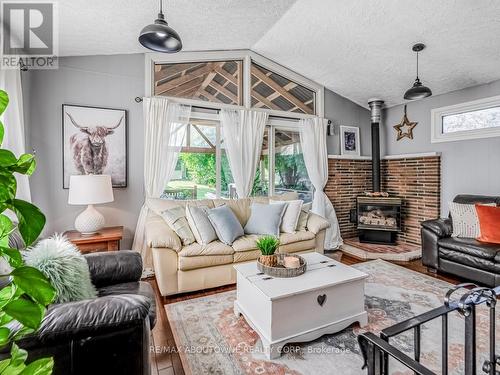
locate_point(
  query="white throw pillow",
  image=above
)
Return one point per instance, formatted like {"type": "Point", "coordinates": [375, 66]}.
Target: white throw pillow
{"type": "Point", "coordinates": [176, 220]}
{"type": "Point", "coordinates": [465, 220]}
{"type": "Point", "coordinates": [303, 217]}
{"type": "Point", "coordinates": [201, 226]}
{"type": "Point", "coordinates": [265, 219]}
{"type": "Point", "coordinates": [291, 215]}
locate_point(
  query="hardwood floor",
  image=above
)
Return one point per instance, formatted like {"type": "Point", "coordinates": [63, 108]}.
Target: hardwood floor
{"type": "Point", "coordinates": [165, 360]}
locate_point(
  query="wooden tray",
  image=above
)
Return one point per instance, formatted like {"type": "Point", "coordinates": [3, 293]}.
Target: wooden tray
{"type": "Point", "coordinates": [280, 270]}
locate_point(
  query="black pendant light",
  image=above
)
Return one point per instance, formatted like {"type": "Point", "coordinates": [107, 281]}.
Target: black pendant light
{"type": "Point", "coordinates": [418, 91]}
{"type": "Point", "coordinates": [159, 36]}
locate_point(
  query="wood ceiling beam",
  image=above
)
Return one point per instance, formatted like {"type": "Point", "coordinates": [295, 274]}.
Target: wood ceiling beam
{"type": "Point", "coordinates": [227, 75]}
{"type": "Point", "coordinates": [224, 91]}
{"type": "Point", "coordinates": [209, 78]}
{"type": "Point", "coordinates": [288, 96]}
{"type": "Point", "coordinates": [170, 85]}
{"type": "Point", "coordinates": [205, 138]}
{"type": "Point", "coordinates": [265, 101]}
{"type": "Point", "coordinates": [169, 70]}
{"type": "Point", "coordinates": [185, 87]}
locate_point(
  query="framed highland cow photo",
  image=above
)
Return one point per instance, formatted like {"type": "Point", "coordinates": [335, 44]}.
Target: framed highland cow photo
{"type": "Point", "coordinates": [94, 142]}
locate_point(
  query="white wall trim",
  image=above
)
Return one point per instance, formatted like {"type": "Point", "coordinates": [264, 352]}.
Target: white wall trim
{"type": "Point", "coordinates": [246, 56]}
{"type": "Point", "coordinates": [388, 157]}
{"type": "Point", "coordinates": [437, 114]}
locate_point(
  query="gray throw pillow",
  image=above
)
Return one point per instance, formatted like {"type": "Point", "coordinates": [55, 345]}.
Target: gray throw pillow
{"type": "Point", "coordinates": [65, 267]}
{"type": "Point", "coordinates": [265, 219]}
{"type": "Point", "coordinates": [176, 220]}
{"type": "Point", "coordinates": [201, 226]}
{"type": "Point", "coordinates": [226, 224]}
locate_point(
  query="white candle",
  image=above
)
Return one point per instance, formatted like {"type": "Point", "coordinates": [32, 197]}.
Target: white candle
{"type": "Point", "coordinates": [291, 262]}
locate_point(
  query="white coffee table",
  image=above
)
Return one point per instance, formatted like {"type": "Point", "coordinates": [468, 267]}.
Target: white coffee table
{"type": "Point", "coordinates": [326, 299]}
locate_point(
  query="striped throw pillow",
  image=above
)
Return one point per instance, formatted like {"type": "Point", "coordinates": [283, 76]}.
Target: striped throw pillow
{"type": "Point", "coordinates": [465, 220]}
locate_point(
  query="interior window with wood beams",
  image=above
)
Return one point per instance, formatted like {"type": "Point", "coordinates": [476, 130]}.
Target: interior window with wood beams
{"type": "Point", "coordinates": [274, 91]}
{"type": "Point", "coordinates": [212, 81]}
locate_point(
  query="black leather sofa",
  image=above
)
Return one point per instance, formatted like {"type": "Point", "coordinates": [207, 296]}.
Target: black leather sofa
{"type": "Point", "coordinates": [106, 335]}
{"type": "Point", "coordinates": [470, 259]}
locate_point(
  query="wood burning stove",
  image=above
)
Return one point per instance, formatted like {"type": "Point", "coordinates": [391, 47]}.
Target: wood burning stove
{"type": "Point", "coordinates": [378, 219]}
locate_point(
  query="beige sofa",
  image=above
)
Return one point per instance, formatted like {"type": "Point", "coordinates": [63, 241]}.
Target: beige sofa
{"type": "Point", "coordinates": [180, 269]}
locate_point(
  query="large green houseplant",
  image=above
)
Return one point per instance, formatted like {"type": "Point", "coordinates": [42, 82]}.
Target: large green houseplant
{"type": "Point", "coordinates": [26, 292]}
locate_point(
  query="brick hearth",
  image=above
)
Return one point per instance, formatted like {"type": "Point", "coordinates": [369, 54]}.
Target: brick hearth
{"type": "Point", "coordinates": [416, 180]}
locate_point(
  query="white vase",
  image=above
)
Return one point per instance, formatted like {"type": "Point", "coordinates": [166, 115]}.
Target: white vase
{"type": "Point", "coordinates": [89, 221]}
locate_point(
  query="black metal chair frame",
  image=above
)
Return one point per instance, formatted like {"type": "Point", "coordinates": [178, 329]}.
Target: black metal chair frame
{"type": "Point", "coordinates": [377, 350]}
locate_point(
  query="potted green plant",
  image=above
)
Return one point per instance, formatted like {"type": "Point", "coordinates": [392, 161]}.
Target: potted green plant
{"type": "Point", "coordinates": [27, 293]}
{"type": "Point", "coordinates": [268, 246]}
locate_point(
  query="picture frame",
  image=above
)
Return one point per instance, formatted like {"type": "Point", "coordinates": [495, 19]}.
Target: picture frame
{"type": "Point", "coordinates": [349, 141]}
{"type": "Point", "coordinates": [95, 141]}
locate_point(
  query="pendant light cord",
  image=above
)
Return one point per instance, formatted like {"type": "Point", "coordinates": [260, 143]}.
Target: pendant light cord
{"type": "Point", "coordinates": [417, 64]}
{"type": "Point", "coordinates": [161, 8]}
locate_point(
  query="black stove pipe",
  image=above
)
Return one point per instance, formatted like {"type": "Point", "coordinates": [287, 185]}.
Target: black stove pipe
{"type": "Point", "coordinates": [376, 112]}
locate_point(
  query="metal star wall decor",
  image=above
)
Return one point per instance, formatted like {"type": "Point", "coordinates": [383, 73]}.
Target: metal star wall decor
{"type": "Point", "coordinates": [405, 127]}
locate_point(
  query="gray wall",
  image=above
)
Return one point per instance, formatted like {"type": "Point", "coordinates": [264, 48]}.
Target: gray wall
{"type": "Point", "coordinates": [468, 167]}
{"type": "Point", "coordinates": [341, 111]}
{"type": "Point", "coordinates": [104, 81]}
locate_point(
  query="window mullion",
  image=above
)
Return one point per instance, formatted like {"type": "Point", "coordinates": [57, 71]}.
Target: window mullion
{"type": "Point", "coordinates": [218, 164]}
{"type": "Point", "coordinates": [271, 130]}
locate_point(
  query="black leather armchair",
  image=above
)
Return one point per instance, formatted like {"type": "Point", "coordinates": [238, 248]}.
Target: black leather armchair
{"type": "Point", "coordinates": [106, 335]}
{"type": "Point", "coordinates": [464, 257]}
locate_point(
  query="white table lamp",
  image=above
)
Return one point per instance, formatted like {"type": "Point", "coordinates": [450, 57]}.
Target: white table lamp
{"type": "Point", "coordinates": [89, 190]}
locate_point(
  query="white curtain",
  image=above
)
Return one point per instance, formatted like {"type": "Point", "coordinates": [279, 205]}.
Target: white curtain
{"type": "Point", "coordinates": [165, 124]}
{"type": "Point", "coordinates": [13, 121]}
{"type": "Point", "coordinates": [313, 142]}
{"type": "Point", "coordinates": [243, 132]}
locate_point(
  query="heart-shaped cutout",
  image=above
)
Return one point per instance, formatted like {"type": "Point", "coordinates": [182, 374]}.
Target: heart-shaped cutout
{"type": "Point", "coordinates": [321, 299]}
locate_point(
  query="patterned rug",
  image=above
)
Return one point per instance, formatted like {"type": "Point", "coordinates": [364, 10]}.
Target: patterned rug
{"type": "Point", "coordinates": [212, 340]}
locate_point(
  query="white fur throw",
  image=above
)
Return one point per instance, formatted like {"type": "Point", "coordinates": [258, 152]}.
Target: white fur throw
{"type": "Point", "coordinates": [66, 268]}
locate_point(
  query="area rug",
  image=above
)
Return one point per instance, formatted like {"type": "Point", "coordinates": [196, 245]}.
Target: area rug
{"type": "Point", "coordinates": [212, 340]}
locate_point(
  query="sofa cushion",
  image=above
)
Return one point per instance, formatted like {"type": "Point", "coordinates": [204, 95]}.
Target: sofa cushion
{"type": "Point", "coordinates": [290, 216]}
{"type": "Point", "coordinates": [175, 217]}
{"type": "Point", "coordinates": [226, 224]}
{"type": "Point", "coordinates": [201, 226]}
{"type": "Point", "coordinates": [287, 238]}
{"type": "Point", "coordinates": [469, 260]}
{"type": "Point", "coordinates": [240, 207]}
{"type": "Point", "coordinates": [158, 205]}
{"type": "Point", "coordinates": [213, 248]}
{"type": "Point", "coordinates": [303, 217]}
{"type": "Point", "coordinates": [191, 263]}
{"type": "Point", "coordinates": [142, 288]}
{"type": "Point", "coordinates": [265, 219]}
{"type": "Point", "coordinates": [246, 256]}
{"type": "Point", "coordinates": [246, 243]}
{"type": "Point", "coordinates": [471, 247]}
{"type": "Point", "coordinates": [293, 247]}
{"type": "Point", "coordinates": [465, 220]}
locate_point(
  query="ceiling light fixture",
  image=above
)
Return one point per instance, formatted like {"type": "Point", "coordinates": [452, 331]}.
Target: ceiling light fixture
{"type": "Point", "coordinates": [417, 91]}
{"type": "Point", "coordinates": [159, 36]}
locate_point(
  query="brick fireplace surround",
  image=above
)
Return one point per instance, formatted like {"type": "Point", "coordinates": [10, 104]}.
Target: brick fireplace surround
{"type": "Point", "coordinates": [416, 179]}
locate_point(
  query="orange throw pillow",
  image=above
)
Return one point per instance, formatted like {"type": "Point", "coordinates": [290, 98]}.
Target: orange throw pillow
{"type": "Point", "coordinates": [489, 221]}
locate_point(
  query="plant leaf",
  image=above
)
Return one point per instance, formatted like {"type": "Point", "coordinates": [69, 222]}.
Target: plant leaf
{"type": "Point", "coordinates": [42, 366]}
{"type": "Point", "coordinates": [6, 294]}
{"type": "Point", "coordinates": [2, 132]}
{"type": "Point", "coordinates": [6, 228]}
{"type": "Point", "coordinates": [26, 164]}
{"type": "Point", "coordinates": [31, 220]}
{"type": "Point", "coordinates": [13, 256]}
{"type": "Point", "coordinates": [7, 158]}
{"type": "Point", "coordinates": [8, 186]}
{"type": "Point", "coordinates": [4, 335]}
{"type": "Point", "coordinates": [35, 284]}
{"type": "Point", "coordinates": [18, 357]}
{"type": "Point", "coordinates": [26, 312]}
{"type": "Point", "coordinates": [3, 365]}
{"type": "Point", "coordinates": [4, 101]}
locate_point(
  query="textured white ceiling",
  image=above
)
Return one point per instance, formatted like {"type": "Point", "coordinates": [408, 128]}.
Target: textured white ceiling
{"type": "Point", "coordinates": [93, 27]}
{"type": "Point", "coordinates": [362, 48]}
{"type": "Point", "coordinates": [357, 48]}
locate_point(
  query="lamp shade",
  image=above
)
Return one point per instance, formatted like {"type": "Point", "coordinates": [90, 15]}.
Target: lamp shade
{"type": "Point", "coordinates": [90, 189]}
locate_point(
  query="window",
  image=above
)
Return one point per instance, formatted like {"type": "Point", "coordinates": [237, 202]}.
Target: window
{"type": "Point", "coordinates": [197, 171]}
{"type": "Point", "coordinates": [212, 81]}
{"type": "Point", "coordinates": [477, 119]}
{"type": "Point", "coordinates": [273, 91]}
{"type": "Point", "coordinates": [290, 172]}
{"type": "Point", "coordinates": [238, 79]}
